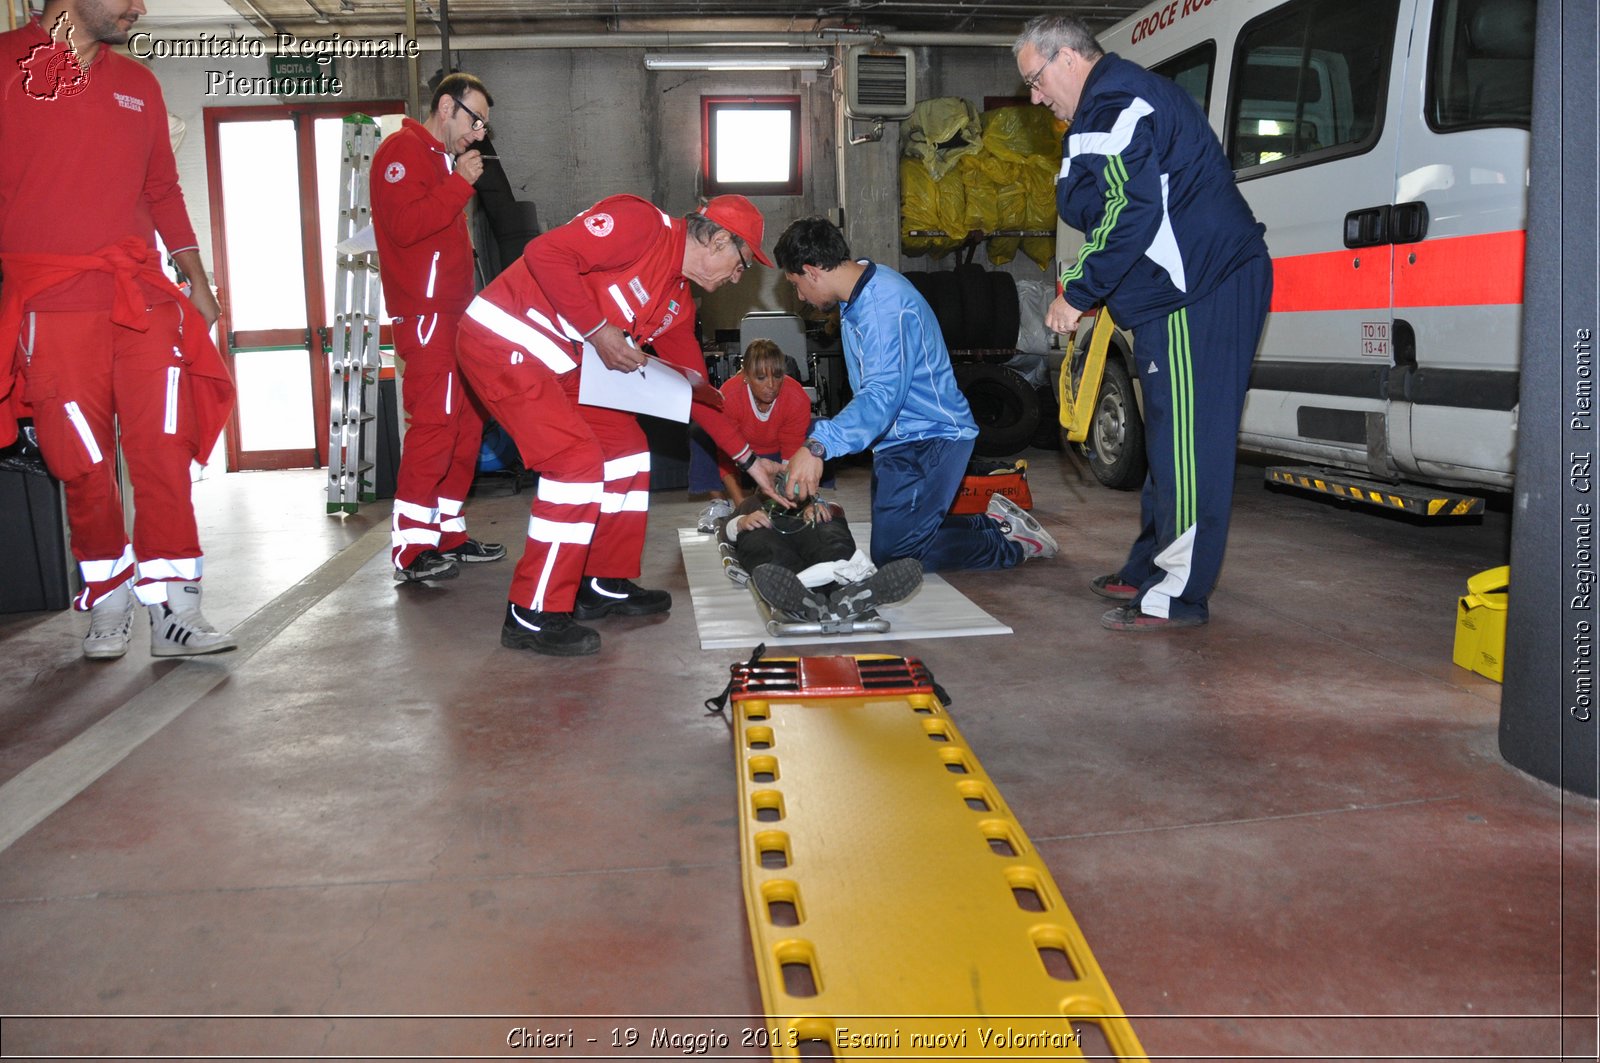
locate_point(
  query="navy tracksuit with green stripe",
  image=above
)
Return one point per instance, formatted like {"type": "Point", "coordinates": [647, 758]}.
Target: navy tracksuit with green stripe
{"type": "Point", "coordinates": [1173, 251]}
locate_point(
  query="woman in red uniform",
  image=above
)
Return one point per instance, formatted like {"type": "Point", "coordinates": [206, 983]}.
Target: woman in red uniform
{"type": "Point", "coordinates": [768, 406]}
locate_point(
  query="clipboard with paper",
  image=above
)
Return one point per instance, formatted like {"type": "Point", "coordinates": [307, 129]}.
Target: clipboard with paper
{"type": "Point", "coordinates": [659, 388]}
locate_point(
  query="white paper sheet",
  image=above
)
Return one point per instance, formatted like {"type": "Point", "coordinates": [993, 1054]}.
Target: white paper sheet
{"type": "Point", "coordinates": [658, 389]}
{"type": "Point", "coordinates": [726, 615]}
{"type": "Point", "coordinates": [360, 242]}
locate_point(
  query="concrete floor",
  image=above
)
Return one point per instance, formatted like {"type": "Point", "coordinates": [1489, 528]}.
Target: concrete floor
{"type": "Point", "coordinates": [1288, 833]}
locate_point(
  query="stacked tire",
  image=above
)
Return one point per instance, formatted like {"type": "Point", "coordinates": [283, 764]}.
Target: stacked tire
{"type": "Point", "coordinates": [978, 312]}
{"type": "Point", "coordinates": [1004, 404]}
{"type": "Point", "coordinates": [976, 309]}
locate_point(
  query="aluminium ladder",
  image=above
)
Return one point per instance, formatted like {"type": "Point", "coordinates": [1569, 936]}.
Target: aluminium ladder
{"type": "Point", "coordinates": [354, 359]}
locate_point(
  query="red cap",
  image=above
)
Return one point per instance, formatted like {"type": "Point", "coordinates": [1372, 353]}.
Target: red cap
{"type": "Point", "coordinates": [741, 218]}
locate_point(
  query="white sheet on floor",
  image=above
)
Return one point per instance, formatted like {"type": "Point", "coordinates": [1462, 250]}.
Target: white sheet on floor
{"type": "Point", "coordinates": [727, 616]}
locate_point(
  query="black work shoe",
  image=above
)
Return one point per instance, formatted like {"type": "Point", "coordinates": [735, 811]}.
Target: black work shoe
{"type": "Point", "coordinates": [554, 634]}
{"type": "Point", "coordinates": [602, 596]}
{"type": "Point", "coordinates": [430, 564]}
{"type": "Point", "coordinates": [1114, 588]}
{"type": "Point", "coordinates": [472, 552]}
{"type": "Point", "coordinates": [1131, 618]}
{"type": "Point", "coordinates": [782, 589]}
{"type": "Point", "coordinates": [894, 582]}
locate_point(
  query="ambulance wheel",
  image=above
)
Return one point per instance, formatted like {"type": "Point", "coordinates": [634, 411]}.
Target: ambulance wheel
{"type": "Point", "coordinates": [1004, 405]}
{"type": "Point", "coordinates": [1115, 447]}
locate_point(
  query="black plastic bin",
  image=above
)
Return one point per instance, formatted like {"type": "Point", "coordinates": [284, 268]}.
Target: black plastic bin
{"type": "Point", "coordinates": [33, 540]}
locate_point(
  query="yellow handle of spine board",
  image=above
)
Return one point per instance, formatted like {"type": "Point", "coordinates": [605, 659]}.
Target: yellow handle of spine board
{"type": "Point", "coordinates": [1077, 404]}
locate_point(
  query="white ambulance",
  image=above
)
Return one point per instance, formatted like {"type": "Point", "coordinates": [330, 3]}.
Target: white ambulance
{"type": "Point", "coordinates": [1384, 144]}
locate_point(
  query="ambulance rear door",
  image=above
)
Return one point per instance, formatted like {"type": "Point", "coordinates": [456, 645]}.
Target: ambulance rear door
{"type": "Point", "coordinates": [1313, 132]}
{"type": "Point", "coordinates": [1462, 190]}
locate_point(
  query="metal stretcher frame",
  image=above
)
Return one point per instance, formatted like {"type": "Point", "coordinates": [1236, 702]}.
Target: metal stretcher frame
{"type": "Point", "coordinates": [725, 619]}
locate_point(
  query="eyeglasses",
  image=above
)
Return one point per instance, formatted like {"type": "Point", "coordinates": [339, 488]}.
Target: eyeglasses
{"type": "Point", "coordinates": [1032, 80]}
{"type": "Point", "coordinates": [478, 121]}
{"type": "Point", "coordinates": [744, 265]}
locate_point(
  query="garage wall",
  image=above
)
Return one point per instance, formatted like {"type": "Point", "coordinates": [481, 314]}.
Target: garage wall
{"type": "Point", "coordinates": [575, 125]}
{"type": "Point", "coordinates": [571, 126]}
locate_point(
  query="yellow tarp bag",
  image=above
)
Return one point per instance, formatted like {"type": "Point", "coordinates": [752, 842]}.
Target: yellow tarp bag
{"type": "Point", "coordinates": [940, 132]}
{"type": "Point", "coordinates": [1039, 179]}
{"type": "Point", "coordinates": [1021, 134]}
{"type": "Point", "coordinates": [982, 208]}
{"type": "Point", "coordinates": [1039, 182]}
{"type": "Point", "coordinates": [919, 210]}
{"type": "Point", "coordinates": [1041, 249]}
{"type": "Point", "coordinates": [1011, 203]}
{"type": "Point", "coordinates": [952, 198]}
{"type": "Point", "coordinates": [1029, 140]}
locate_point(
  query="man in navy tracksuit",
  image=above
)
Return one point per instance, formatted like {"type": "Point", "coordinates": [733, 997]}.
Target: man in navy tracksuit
{"type": "Point", "coordinates": [1173, 251]}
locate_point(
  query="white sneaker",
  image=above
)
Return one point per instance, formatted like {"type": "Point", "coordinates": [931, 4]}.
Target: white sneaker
{"type": "Point", "coordinates": [894, 582]}
{"type": "Point", "coordinates": [1018, 525]}
{"type": "Point", "coordinates": [177, 628]}
{"type": "Point", "coordinates": [717, 509]}
{"type": "Point", "coordinates": [110, 624]}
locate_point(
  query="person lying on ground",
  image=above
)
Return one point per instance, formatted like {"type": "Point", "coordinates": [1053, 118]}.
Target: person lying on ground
{"type": "Point", "coordinates": [805, 561]}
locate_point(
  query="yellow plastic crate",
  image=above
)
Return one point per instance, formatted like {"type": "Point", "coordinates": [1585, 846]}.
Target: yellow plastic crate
{"type": "Point", "coordinates": [1481, 623]}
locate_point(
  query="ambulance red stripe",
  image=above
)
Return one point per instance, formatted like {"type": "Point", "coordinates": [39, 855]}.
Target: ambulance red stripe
{"type": "Point", "coordinates": [1483, 270]}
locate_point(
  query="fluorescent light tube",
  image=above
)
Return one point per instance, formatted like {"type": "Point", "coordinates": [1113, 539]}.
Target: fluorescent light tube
{"type": "Point", "coordinates": [735, 61]}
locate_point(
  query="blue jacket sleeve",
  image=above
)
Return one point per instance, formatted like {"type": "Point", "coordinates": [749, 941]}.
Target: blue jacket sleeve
{"type": "Point", "coordinates": [1125, 221]}
{"type": "Point", "coordinates": [886, 337]}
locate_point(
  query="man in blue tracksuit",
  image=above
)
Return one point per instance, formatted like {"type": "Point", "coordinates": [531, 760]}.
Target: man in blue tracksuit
{"type": "Point", "coordinates": [1174, 253]}
{"type": "Point", "coordinates": [906, 409]}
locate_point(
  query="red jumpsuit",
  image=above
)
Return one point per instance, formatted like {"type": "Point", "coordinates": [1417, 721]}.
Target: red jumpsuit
{"type": "Point", "coordinates": [621, 263]}
{"type": "Point", "coordinates": [425, 260]}
{"type": "Point", "coordinates": [781, 432]}
{"type": "Point", "coordinates": [92, 335]}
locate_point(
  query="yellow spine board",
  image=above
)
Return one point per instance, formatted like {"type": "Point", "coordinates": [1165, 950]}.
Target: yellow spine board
{"type": "Point", "coordinates": [897, 907]}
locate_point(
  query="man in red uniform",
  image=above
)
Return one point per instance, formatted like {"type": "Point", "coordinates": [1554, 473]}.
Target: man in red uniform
{"type": "Point", "coordinates": [615, 277]}
{"type": "Point", "coordinates": [422, 178]}
{"type": "Point", "coordinates": [92, 333]}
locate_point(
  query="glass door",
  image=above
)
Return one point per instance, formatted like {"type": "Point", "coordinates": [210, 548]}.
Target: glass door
{"type": "Point", "coordinates": [272, 172]}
